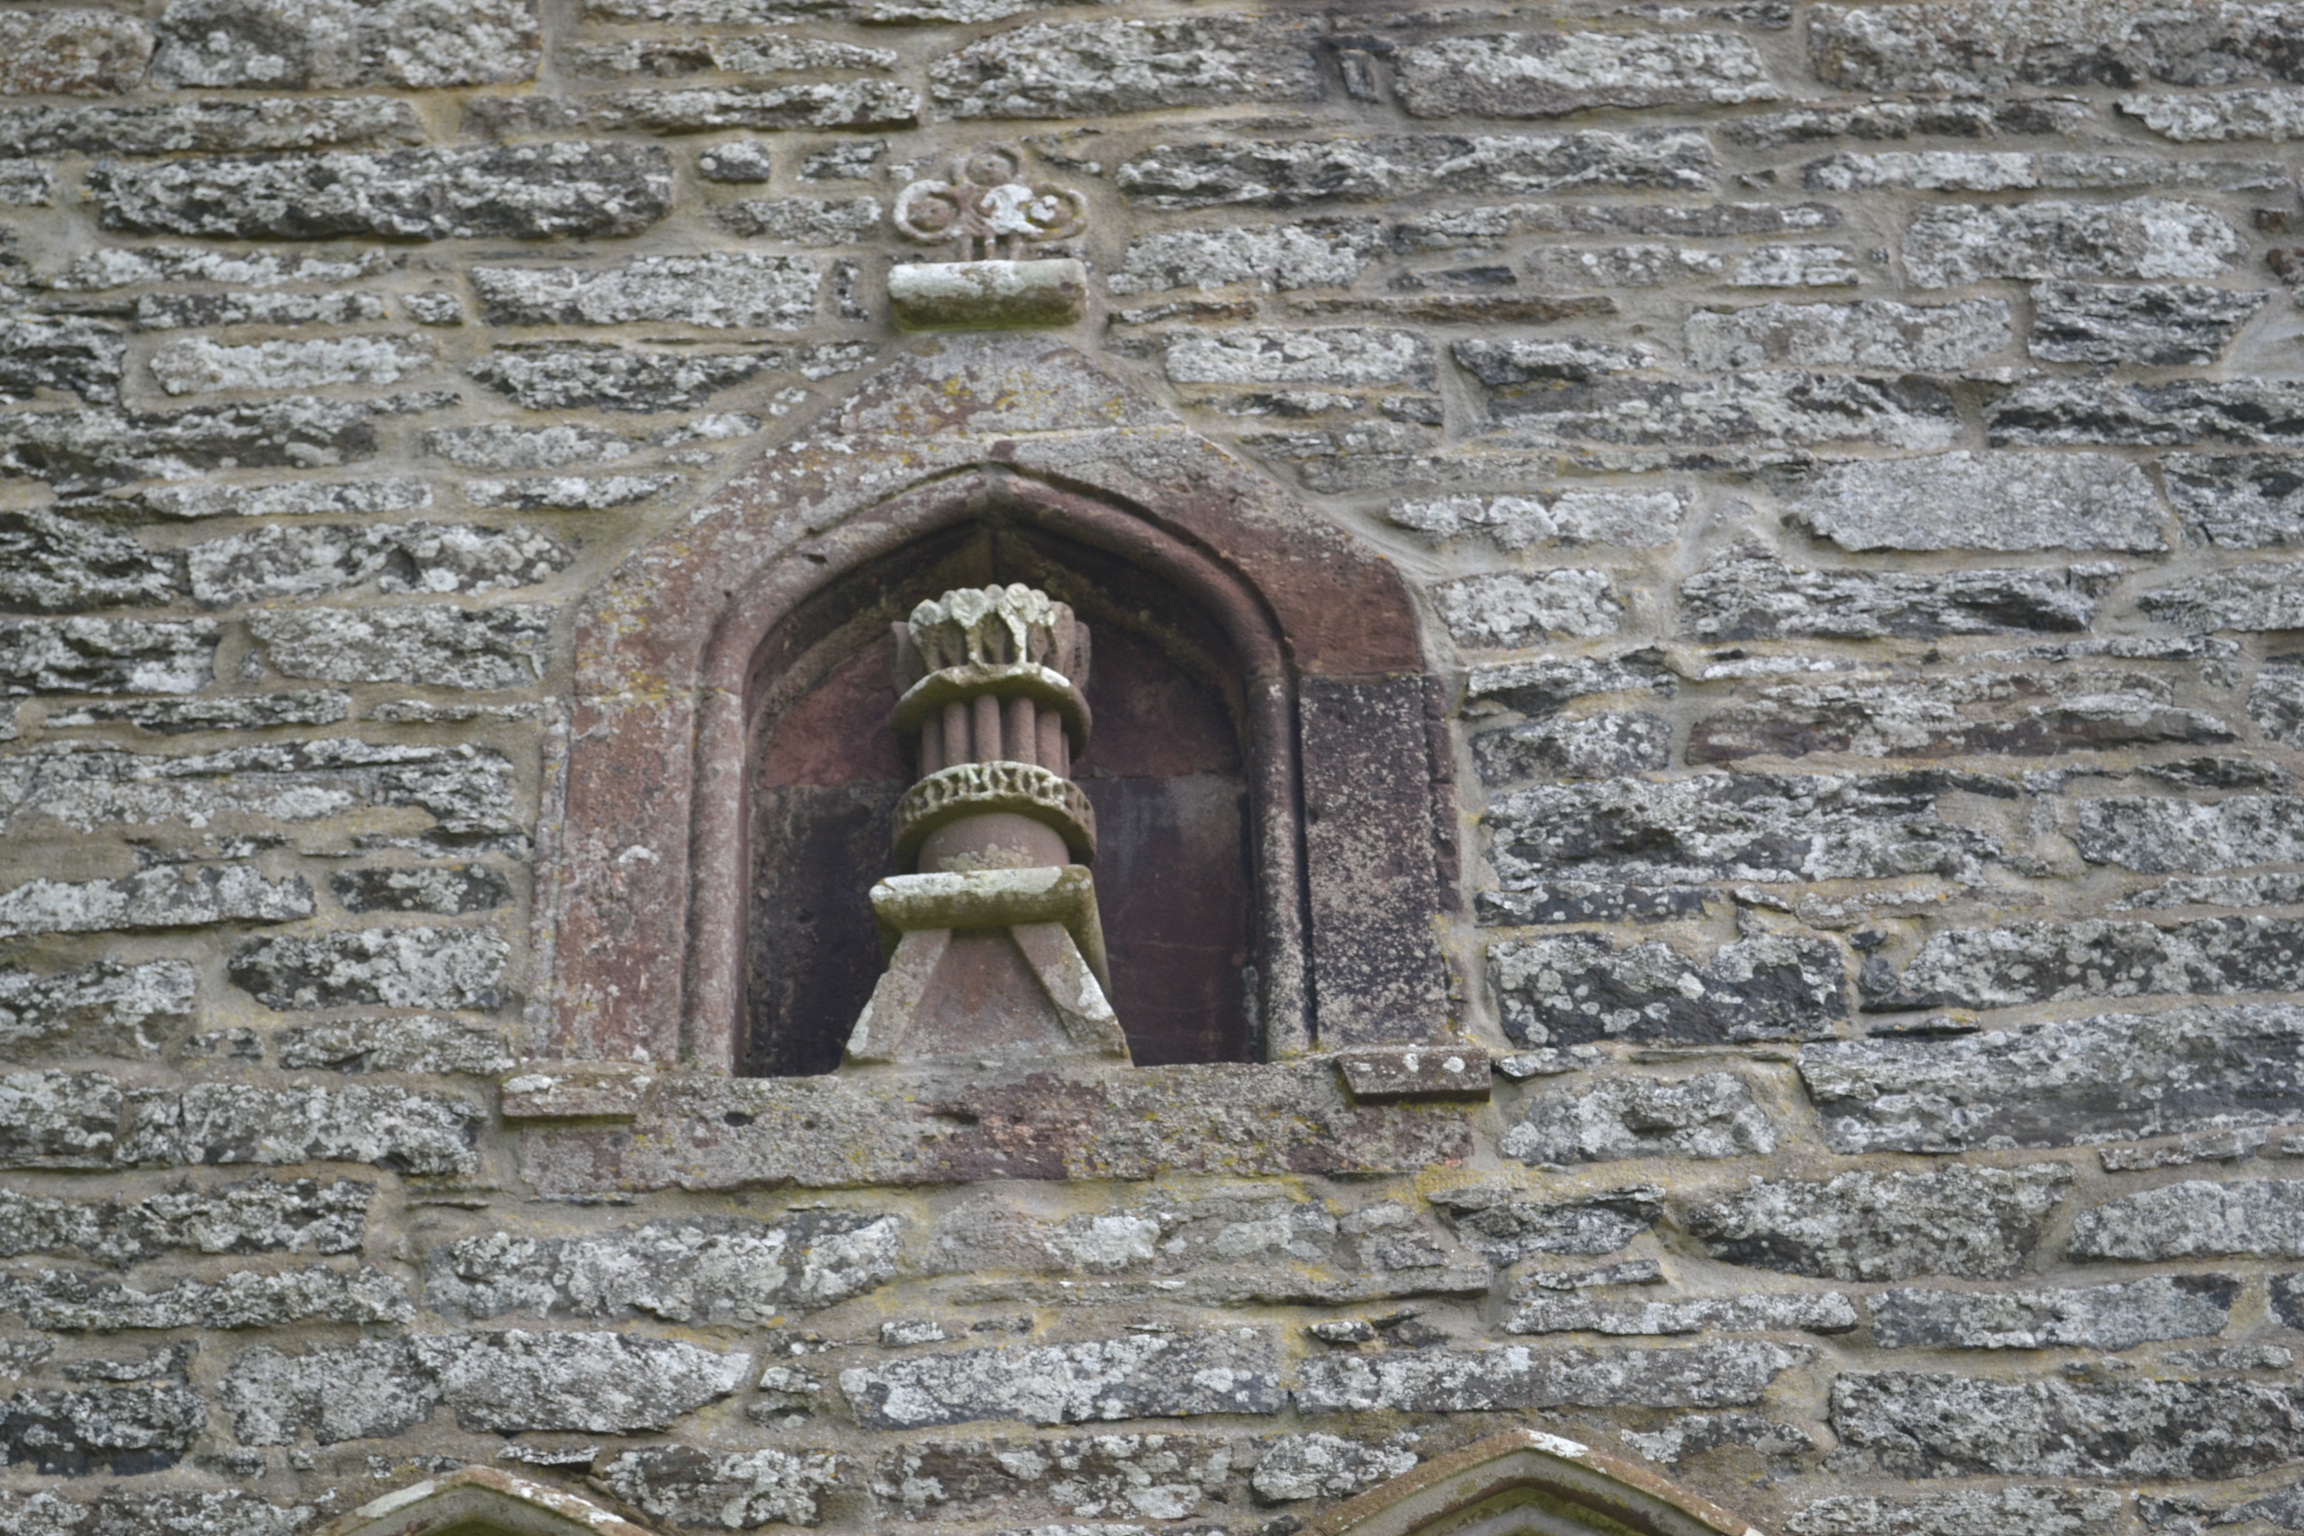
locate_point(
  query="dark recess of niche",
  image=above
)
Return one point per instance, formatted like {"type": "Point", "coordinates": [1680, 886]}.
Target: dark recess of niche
{"type": "Point", "coordinates": [1164, 770]}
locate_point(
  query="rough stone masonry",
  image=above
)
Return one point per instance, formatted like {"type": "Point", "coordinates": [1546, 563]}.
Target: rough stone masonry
{"type": "Point", "coordinates": [1850, 457]}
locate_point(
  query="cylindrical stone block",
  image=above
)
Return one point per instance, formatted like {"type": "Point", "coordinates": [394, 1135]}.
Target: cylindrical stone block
{"type": "Point", "coordinates": [931, 745]}
{"type": "Point", "coordinates": [956, 743]}
{"type": "Point", "coordinates": [1055, 752]}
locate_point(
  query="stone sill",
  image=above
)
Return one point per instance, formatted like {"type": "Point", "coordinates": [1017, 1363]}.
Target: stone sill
{"type": "Point", "coordinates": [591, 1128]}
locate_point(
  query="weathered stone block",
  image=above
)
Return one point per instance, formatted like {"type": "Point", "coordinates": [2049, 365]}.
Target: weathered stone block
{"type": "Point", "coordinates": [1752, 1312]}
{"type": "Point", "coordinates": [1516, 522]}
{"type": "Point", "coordinates": [1871, 333]}
{"type": "Point", "coordinates": [1143, 1477]}
{"type": "Point", "coordinates": [1611, 744]}
{"type": "Point", "coordinates": [1913, 1425]}
{"type": "Point", "coordinates": [2217, 116]}
{"type": "Point", "coordinates": [830, 1132]}
{"type": "Point", "coordinates": [1647, 265]}
{"type": "Point", "coordinates": [2056, 962]}
{"type": "Point", "coordinates": [333, 1393]}
{"type": "Point", "coordinates": [701, 109]}
{"type": "Point", "coordinates": [725, 290]}
{"type": "Point", "coordinates": [78, 452]}
{"type": "Point", "coordinates": [2168, 325]}
{"type": "Point", "coordinates": [737, 1491]}
{"type": "Point", "coordinates": [2251, 412]}
{"type": "Point", "coordinates": [1481, 227]}
{"type": "Point", "coordinates": [301, 45]}
{"type": "Point", "coordinates": [806, 221]}
{"type": "Point", "coordinates": [595, 1383]}
{"type": "Point", "coordinates": [703, 1271]}
{"type": "Point", "coordinates": [1230, 1370]}
{"type": "Point", "coordinates": [294, 498]}
{"type": "Point", "coordinates": [2143, 238]}
{"type": "Point", "coordinates": [2107, 1317]}
{"type": "Point", "coordinates": [1548, 74]}
{"type": "Point", "coordinates": [2254, 1218]}
{"type": "Point", "coordinates": [1350, 356]}
{"type": "Point", "coordinates": [1975, 1222]}
{"type": "Point", "coordinates": [1508, 1228]}
{"type": "Point", "coordinates": [1994, 501]}
{"type": "Point", "coordinates": [1970, 48]}
{"type": "Point", "coordinates": [1768, 827]}
{"type": "Point", "coordinates": [1795, 266]}
{"type": "Point", "coordinates": [186, 311]}
{"type": "Point", "coordinates": [2156, 835]}
{"type": "Point", "coordinates": [1766, 409]}
{"type": "Point", "coordinates": [259, 1216]}
{"type": "Point", "coordinates": [2238, 501]}
{"type": "Point", "coordinates": [127, 1429]}
{"type": "Point", "coordinates": [201, 366]}
{"type": "Point", "coordinates": [314, 561]}
{"type": "Point", "coordinates": [60, 352]}
{"type": "Point", "coordinates": [468, 791]}
{"type": "Point", "coordinates": [172, 896]}
{"type": "Point", "coordinates": [2065, 1083]}
{"type": "Point", "coordinates": [498, 647]}
{"type": "Point", "coordinates": [450, 891]}
{"type": "Point", "coordinates": [72, 1303]}
{"type": "Point", "coordinates": [2034, 1508]}
{"type": "Point", "coordinates": [1540, 685]}
{"type": "Point", "coordinates": [1090, 68]}
{"type": "Point", "coordinates": [1317, 253]}
{"type": "Point", "coordinates": [1749, 594]}
{"type": "Point", "coordinates": [171, 717]}
{"type": "Point", "coordinates": [390, 967]}
{"type": "Point", "coordinates": [2002, 171]}
{"type": "Point", "coordinates": [265, 123]}
{"type": "Point", "coordinates": [59, 1119]}
{"type": "Point", "coordinates": [1504, 610]}
{"type": "Point", "coordinates": [55, 564]}
{"type": "Point", "coordinates": [1287, 173]}
{"type": "Point", "coordinates": [416, 1133]}
{"type": "Point", "coordinates": [1710, 1115]}
{"type": "Point", "coordinates": [71, 52]}
{"type": "Point", "coordinates": [1498, 362]}
{"type": "Point", "coordinates": [1317, 1466]}
{"type": "Point", "coordinates": [2238, 597]}
{"type": "Point", "coordinates": [1522, 1377]}
{"type": "Point", "coordinates": [106, 1006]}
{"type": "Point", "coordinates": [1574, 988]}
{"type": "Point", "coordinates": [153, 1512]}
{"type": "Point", "coordinates": [523, 192]}
{"type": "Point", "coordinates": [1584, 901]}
{"type": "Point", "coordinates": [419, 1043]}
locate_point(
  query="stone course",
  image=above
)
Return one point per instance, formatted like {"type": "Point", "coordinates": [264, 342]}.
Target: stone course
{"type": "Point", "coordinates": [1842, 464]}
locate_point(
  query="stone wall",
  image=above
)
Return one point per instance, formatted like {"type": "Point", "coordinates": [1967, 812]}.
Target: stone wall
{"type": "Point", "coordinates": [1847, 454]}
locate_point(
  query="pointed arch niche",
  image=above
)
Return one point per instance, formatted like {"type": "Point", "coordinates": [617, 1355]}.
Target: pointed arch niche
{"type": "Point", "coordinates": [1267, 760]}
{"type": "Point", "coordinates": [1524, 1482]}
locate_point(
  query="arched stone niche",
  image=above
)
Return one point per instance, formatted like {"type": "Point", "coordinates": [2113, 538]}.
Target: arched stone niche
{"type": "Point", "coordinates": [482, 1501]}
{"type": "Point", "coordinates": [989, 455]}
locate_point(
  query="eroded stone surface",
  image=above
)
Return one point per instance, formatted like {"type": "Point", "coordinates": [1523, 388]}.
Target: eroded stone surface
{"type": "Point", "coordinates": [1550, 74]}
{"type": "Point", "coordinates": [1288, 173]}
{"type": "Point", "coordinates": [108, 1006]}
{"type": "Point", "coordinates": [1975, 1222]}
{"type": "Point", "coordinates": [737, 1491]}
{"type": "Point", "coordinates": [2261, 1218]}
{"type": "Point", "coordinates": [394, 967]}
{"type": "Point", "coordinates": [260, 1215]}
{"type": "Point", "coordinates": [1521, 1377]}
{"type": "Point", "coordinates": [2056, 1084]}
{"type": "Point", "coordinates": [2091, 1317]}
{"type": "Point", "coordinates": [1234, 1370]}
{"type": "Point", "coordinates": [1871, 333]}
{"type": "Point", "coordinates": [1991, 501]}
{"type": "Point", "coordinates": [1082, 69]}
{"type": "Point", "coordinates": [1575, 988]}
{"type": "Point", "coordinates": [1710, 1115]}
{"type": "Point", "coordinates": [451, 647]}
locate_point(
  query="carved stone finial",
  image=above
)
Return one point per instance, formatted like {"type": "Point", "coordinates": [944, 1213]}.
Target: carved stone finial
{"type": "Point", "coordinates": [987, 210]}
{"type": "Point", "coordinates": [995, 945]}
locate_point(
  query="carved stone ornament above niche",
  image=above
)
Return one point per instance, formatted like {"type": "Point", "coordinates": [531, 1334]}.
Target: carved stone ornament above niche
{"type": "Point", "coordinates": [989, 215]}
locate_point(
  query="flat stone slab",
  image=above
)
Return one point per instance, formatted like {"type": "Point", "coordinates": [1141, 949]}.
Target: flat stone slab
{"type": "Point", "coordinates": [709, 1132]}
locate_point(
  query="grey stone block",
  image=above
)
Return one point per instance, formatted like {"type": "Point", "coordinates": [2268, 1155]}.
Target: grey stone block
{"type": "Point", "coordinates": [500, 647]}
{"type": "Point", "coordinates": [78, 452]}
{"type": "Point", "coordinates": [418, 1043]}
{"type": "Point", "coordinates": [1316, 253]}
{"type": "Point", "coordinates": [2035, 1508]}
{"type": "Point", "coordinates": [1506, 1227]}
{"type": "Point", "coordinates": [2066, 1083]}
{"type": "Point", "coordinates": [1228, 1370]}
{"type": "Point", "coordinates": [1974, 1222]}
{"type": "Point", "coordinates": [1611, 744]}
{"type": "Point", "coordinates": [392, 967]}
{"type": "Point", "coordinates": [2108, 1317]}
{"type": "Point", "coordinates": [2168, 325]}
{"type": "Point", "coordinates": [705, 1271]}
{"type": "Point", "coordinates": [77, 52]}
{"type": "Point", "coordinates": [308, 560]}
{"type": "Point", "coordinates": [69, 353]}
{"type": "Point", "coordinates": [1989, 501]}
{"type": "Point", "coordinates": [2247, 413]}
{"type": "Point", "coordinates": [318, 44]}
{"type": "Point", "coordinates": [735, 1491]}
{"type": "Point", "coordinates": [1549, 74]}
{"type": "Point", "coordinates": [2043, 962]}
{"type": "Point", "coordinates": [1505, 610]}
{"type": "Point", "coordinates": [1968, 47]}
{"type": "Point", "coordinates": [266, 123]}
{"type": "Point", "coordinates": [1576, 988]}
{"type": "Point", "coordinates": [523, 192]}
{"type": "Point", "coordinates": [1752, 1312]}
{"type": "Point", "coordinates": [260, 1215]}
{"type": "Point", "coordinates": [332, 1393]}
{"type": "Point", "coordinates": [1524, 1377]}
{"type": "Point", "coordinates": [1871, 333]}
{"type": "Point", "coordinates": [724, 290]}
{"type": "Point", "coordinates": [2238, 501]}
{"type": "Point", "coordinates": [144, 1427]}
{"type": "Point", "coordinates": [107, 1006]}
{"type": "Point", "coordinates": [1710, 1115]}
{"type": "Point", "coordinates": [50, 563]}
{"type": "Point", "coordinates": [222, 1123]}
{"type": "Point", "coordinates": [1091, 68]}
{"type": "Point", "coordinates": [701, 109]}
{"type": "Point", "coordinates": [1916, 1426]}
{"type": "Point", "coordinates": [1773, 409]}
{"type": "Point", "coordinates": [1288, 173]}
{"type": "Point", "coordinates": [64, 1302]}
{"type": "Point", "coordinates": [2252, 1218]}
{"type": "Point", "coordinates": [1948, 246]}
{"type": "Point", "coordinates": [172, 896]}
{"type": "Point", "coordinates": [1750, 594]}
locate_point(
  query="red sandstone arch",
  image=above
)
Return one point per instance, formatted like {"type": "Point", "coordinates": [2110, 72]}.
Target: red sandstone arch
{"type": "Point", "coordinates": [641, 872]}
